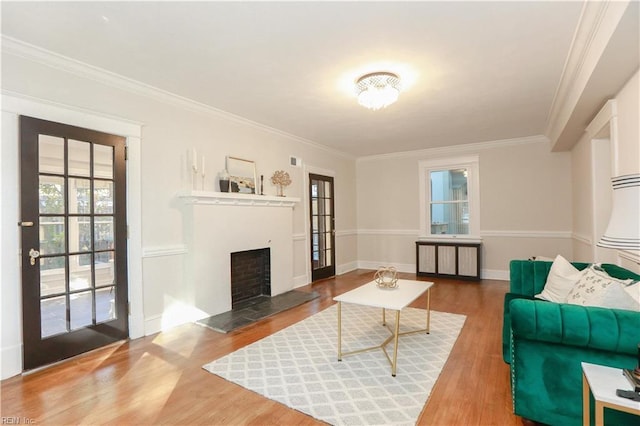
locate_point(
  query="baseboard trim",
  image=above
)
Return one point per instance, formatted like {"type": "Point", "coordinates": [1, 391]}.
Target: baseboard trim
{"type": "Point", "coordinates": [494, 274]}
{"type": "Point", "coordinates": [300, 281]}
{"type": "Point", "coordinates": [346, 267]}
{"type": "Point", "coordinates": [152, 325]}
{"type": "Point", "coordinates": [11, 357]}
{"type": "Point", "coordinates": [401, 267]}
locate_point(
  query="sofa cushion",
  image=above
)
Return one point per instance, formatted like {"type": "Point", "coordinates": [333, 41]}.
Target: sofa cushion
{"type": "Point", "coordinates": [562, 277]}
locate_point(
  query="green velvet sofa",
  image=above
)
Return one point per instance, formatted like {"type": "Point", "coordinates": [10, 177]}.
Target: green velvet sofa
{"type": "Point", "coordinates": [544, 343]}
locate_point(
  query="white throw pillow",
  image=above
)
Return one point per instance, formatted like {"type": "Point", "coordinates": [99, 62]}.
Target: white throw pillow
{"type": "Point", "coordinates": [561, 279]}
{"type": "Point", "coordinates": [597, 288]}
{"type": "Point", "coordinates": [633, 290]}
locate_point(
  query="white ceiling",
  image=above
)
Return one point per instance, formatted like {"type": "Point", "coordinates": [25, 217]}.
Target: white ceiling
{"type": "Point", "coordinates": [472, 71]}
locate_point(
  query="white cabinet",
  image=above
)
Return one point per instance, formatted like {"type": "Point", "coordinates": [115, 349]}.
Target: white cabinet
{"type": "Point", "coordinates": [448, 259]}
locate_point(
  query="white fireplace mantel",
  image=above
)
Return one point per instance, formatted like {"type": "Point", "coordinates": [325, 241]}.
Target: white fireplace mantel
{"type": "Point", "coordinates": [236, 199]}
{"type": "Point", "coordinates": [217, 224]}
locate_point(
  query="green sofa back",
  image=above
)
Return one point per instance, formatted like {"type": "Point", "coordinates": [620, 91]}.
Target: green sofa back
{"type": "Point", "coordinates": [527, 277]}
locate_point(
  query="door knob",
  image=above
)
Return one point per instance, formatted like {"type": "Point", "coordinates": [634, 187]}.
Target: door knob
{"type": "Point", "coordinates": [33, 255]}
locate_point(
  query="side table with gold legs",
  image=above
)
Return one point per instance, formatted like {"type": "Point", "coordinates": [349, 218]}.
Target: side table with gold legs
{"type": "Point", "coordinates": [602, 382]}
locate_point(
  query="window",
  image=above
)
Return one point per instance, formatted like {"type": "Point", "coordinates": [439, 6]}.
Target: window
{"type": "Point", "coordinates": [449, 194]}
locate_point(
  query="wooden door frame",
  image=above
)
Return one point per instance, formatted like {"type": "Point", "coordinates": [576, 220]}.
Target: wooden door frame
{"type": "Point", "coordinates": [306, 170]}
{"type": "Point", "coordinates": [12, 107]}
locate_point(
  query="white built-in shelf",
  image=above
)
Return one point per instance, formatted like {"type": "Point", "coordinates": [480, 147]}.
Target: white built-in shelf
{"type": "Point", "coordinates": [236, 199]}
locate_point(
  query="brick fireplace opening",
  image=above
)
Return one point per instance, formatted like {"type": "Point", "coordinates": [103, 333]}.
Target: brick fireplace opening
{"type": "Point", "coordinates": [250, 275]}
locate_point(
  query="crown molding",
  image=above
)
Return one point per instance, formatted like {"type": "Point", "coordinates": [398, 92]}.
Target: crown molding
{"type": "Point", "coordinates": [21, 104]}
{"type": "Point", "coordinates": [596, 24]}
{"type": "Point", "coordinates": [608, 112]}
{"type": "Point", "coordinates": [51, 59]}
{"type": "Point", "coordinates": [457, 149]}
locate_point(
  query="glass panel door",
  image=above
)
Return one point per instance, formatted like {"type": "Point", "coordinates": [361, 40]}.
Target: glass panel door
{"type": "Point", "coordinates": [74, 251]}
{"type": "Point", "coordinates": [322, 227]}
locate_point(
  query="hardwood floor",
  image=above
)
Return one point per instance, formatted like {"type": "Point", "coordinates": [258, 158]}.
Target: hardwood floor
{"type": "Point", "coordinates": [159, 379]}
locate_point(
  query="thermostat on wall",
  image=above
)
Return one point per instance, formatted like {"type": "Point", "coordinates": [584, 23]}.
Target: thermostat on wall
{"type": "Point", "coordinates": [295, 161]}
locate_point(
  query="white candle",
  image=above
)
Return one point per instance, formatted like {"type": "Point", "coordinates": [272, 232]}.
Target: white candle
{"type": "Point", "coordinates": [194, 159]}
{"type": "Point", "coordinates": [202, 171]}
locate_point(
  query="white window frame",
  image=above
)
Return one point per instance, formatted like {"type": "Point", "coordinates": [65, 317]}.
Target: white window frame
{"type": "Point", "coordinates": [471, 164]}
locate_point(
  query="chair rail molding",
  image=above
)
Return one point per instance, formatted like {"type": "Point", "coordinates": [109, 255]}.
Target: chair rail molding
{"type": "Point", "coordinates": [168, 250]}
{"type": "Point", "coordinates": [585, 239]}
{"type": "Point", "coordinates": [526, 234]}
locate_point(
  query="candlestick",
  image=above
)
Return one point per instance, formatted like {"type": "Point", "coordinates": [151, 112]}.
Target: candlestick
{"type": "Point", "coordinates": [194, 168]}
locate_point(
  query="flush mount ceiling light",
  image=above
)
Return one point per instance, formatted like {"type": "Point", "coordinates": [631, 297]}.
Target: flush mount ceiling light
{"type": "Point", "coordinates": [378, 90]}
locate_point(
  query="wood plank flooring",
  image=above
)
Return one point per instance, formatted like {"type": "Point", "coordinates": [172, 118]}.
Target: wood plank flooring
{"type": "Point", "coordinates": [159, 379]}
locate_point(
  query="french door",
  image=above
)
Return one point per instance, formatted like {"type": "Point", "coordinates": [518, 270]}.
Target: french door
{"type": "Point", "coordinates": [74, 248]}
{"type": "Point", "coordinates": [323, 233]}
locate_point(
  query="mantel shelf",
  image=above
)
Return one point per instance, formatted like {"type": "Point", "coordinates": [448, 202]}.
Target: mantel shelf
{"type": "Point", "coordinates": [236, 199]}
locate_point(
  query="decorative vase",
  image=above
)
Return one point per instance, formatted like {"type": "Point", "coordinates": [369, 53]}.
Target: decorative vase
{"type": "Point", "coordinates": [223, 178]}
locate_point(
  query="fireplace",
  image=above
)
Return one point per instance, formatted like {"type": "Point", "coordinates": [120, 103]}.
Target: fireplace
{"type": "Point", "coordinates": [250, 275]}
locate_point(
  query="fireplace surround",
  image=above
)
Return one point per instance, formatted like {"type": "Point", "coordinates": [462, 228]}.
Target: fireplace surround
{"type": "Point", "coordinates": [218, 224]}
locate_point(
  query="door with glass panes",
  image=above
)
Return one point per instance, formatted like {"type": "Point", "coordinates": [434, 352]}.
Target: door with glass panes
{"type": "Point", "coordinates": [74, 248]}
{"type": "Point", "coordinates": [323, 256]}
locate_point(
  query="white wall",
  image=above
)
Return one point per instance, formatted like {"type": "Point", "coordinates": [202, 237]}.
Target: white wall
{"type": "Point", "coordinates": [170, 126]}
{"type": "Point", "coordinates": [595, 161]}
{"type": "Point", "coordinates": [628, 114]}
{"type": "Point", "coordinates": [525, 204]}
{"type": "Point", "coordinates": [628, 150]}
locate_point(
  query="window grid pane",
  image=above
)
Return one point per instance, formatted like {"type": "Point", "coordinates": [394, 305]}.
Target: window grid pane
{"type": "Point", "coordinates": [449, 206]}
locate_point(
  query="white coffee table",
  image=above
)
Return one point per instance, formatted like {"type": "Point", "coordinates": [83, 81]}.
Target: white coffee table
{"type": "Point", "coordinates": [392, 299]}
{"type": "Point", "coordinates": [603, 382]}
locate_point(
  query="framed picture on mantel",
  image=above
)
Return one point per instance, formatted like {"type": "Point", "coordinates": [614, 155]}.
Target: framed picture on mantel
{"type": "Point", "coordinates": [242, 175]}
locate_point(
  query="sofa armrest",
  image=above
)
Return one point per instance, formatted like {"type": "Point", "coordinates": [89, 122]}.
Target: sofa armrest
{"type": "Point", "coordinates": [506, 324]}
{"type": "Point", "coordinates": [612, 330]}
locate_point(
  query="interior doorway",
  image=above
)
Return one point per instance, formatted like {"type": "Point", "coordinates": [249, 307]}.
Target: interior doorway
{"type": "Point", "coordinates": [322, 220]}
{"type": "Point", "coordinates": [74, 240]}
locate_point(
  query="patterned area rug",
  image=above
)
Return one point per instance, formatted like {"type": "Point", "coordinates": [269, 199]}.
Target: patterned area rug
{"type": "Point", "coordinates": [298, 366]}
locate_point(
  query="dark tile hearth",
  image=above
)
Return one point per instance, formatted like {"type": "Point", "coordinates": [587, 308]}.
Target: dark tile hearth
{"type": "Point", "coordinates": [255, 309]}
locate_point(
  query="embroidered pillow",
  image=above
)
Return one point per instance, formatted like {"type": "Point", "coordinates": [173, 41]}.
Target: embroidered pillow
{"type": "Point", "coordinates": [633, 290]}
{"type": "Point", "coordinates": [561, 279]}
{"type": "Point", "coordinates": [596, 288]}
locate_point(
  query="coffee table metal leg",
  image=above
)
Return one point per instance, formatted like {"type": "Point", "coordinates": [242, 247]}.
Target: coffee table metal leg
{"type": "Point", "coordinates": [395, 343]}
{"type": "Point", "coordinates": [384, 320]}
{"type": "Point", "coordinates": [339, 331]}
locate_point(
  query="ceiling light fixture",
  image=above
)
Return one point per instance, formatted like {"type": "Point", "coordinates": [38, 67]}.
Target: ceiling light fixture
{"type": "Point", "coordinates": [378, 90]}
